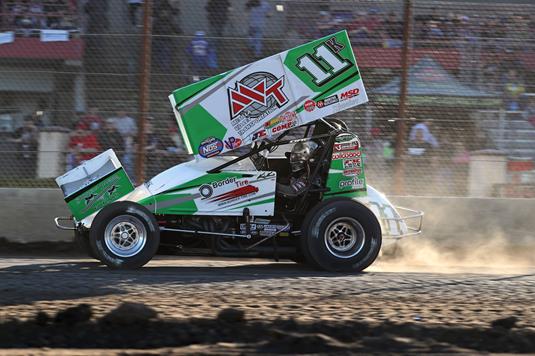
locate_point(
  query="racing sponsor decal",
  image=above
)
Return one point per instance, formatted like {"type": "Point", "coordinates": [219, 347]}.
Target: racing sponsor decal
{"type": "Point", "coordinates": [232, 143]}
{"type": "Point", "coordinates": [352, 163]}
{"type": "Point", "coordinates": [254, 97]}
{"type": "Point", "coordinates": [333, 99]}
{"type": "Point", "coordinates": [210, 147]}
{"type": "Point", "coordinates": [222, 182]}
{"type": "Point", "coordinates": [112, 189]}
{"type": "Point", "coordinates": [354, 183]}
{"type": "Point", "coordinates": [352, 172]}
{"type": "Point", "coordinates": [351, 93]}
{"type": "Point", "coordinates": [258, 134]}
{"type": "Point", "coordinates": [264, 229]}
{"type": "Point", "coordinates": [236, 194]}
{"type": "Point", "coordinates": [266, 175]}
{"type": "Point", "coordinates": [286, 117]}
{"type": "Point", "coordinates": [89, 198]}
{"type": "Point", "coordinates": [286, 122]}
{"type": "Point", "coordinates": [206, 190]}
{"type": "Point", "coordinates": [345, 154]}
{"type": "Point", "coordinates": [309, 105]}
{"type": "Point", "coordinates": [93, 199]}
{"type": "Point", "coordinates": [346, 146]}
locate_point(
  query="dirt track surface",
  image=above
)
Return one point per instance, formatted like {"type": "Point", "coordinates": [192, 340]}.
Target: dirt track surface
{"type": "Point", "coordinates": [179, 288]}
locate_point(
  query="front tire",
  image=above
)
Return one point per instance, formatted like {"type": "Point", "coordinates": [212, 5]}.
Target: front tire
{"type": "Point", "coordinates": [125, 235]}
{"type": "Point", "coordinates": [341, 235]}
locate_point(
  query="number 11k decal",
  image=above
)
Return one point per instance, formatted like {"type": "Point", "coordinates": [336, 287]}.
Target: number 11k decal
{"type": "Point", "coordinates": [325, 63]}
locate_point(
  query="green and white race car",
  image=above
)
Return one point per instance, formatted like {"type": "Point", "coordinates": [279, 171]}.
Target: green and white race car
{"type": "Point", "coordinates": [297, 189]}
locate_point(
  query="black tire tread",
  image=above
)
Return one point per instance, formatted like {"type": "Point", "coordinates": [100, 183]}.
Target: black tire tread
{"type": "Point", "coordinates": [109, 212]}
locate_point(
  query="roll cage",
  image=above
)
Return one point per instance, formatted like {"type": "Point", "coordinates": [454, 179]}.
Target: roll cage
{"type": "Point", "coordinates": [320, 169]}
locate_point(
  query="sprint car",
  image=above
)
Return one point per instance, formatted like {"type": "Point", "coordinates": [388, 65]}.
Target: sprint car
{"type": "Point", "coordinates": [271, 176]}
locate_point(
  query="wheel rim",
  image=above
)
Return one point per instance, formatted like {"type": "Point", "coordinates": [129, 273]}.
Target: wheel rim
{"type": "Point", "coordinates": [344, 237]}
{"type": "Point", "coordinates": [125, 236]}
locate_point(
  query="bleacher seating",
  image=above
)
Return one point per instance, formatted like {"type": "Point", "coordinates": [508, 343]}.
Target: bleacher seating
{"type": "Point", "coordinates": [27, 17]}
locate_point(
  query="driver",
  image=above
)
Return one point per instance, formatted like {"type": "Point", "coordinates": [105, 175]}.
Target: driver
{"type": "Point", "coordinates": [300, 170]}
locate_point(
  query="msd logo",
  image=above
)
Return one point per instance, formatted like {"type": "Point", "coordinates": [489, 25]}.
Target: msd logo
{"type": "Point", "coordinates": [255, 94]}
{"type": "Point", "coordinates": [349, 94]}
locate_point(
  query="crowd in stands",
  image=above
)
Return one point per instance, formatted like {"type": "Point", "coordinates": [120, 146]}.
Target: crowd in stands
{"type": "Point", "coordinates": [376, 27]}
{"type": "Point", "coordinates": [93, 134]}
{"type": "Point", "coordinates": [203, 49]}
{"type": "Point", "coordinates": [25, 15]}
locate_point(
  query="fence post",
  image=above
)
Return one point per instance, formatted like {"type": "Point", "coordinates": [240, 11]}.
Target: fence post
{"type": "Point", "coordinates": [144, 93]}
{"type": "Point", "coordinates": [399, 169]}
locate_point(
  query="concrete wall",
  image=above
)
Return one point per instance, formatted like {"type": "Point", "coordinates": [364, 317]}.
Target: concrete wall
{"type": "Point", "coordinates": [27, 215]}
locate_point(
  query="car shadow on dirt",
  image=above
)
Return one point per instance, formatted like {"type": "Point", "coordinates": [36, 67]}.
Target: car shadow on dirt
{"type": "Point", "coordinates": [32, 282]}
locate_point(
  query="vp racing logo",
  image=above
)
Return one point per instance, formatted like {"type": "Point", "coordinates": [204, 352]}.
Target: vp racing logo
{"type": "Point", "coordinates": [256, 95]}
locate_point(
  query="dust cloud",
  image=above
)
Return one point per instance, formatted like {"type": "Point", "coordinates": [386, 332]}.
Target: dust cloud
{"type": "Point", "coordinates": [493, 255]}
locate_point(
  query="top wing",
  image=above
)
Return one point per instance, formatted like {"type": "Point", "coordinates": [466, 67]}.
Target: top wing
{"type": "Point", "coordinates": [269, 96]}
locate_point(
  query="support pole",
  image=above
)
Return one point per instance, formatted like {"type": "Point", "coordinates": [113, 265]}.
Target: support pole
{"type": "Point", "coordinates": [144, 87]}
{"type": "Point", "coordinates": [401, 125]}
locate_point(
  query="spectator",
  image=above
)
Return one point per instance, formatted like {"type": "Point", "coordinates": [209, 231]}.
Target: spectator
{"type": "Point", "coordinates": [365, 27]}
{"type": "Point", "coordinates": [422, 164]}
{"type": "Point", "coordinates": [217, 11]}
{"type": "Point", "coordinates": [394, 31]}
{"type": "Point", "coordinates": [461, 156]}
{"type": "Point", "coordinates": [134, 7]}
{"type": "Point", "coordinates": [199, 51]}
{"type": "Point", "coordinates": [514, 89]}
{"type": "Point", "coordinates": [37, 14]}
{"type": "Point", "coordinates": [91, 121]}
{"type": "Point", "coordinates": [423, 130]}
{"type": "Point", "coordinates": [325, 24]}
{"type": "Point", "coordinates": [127, 127]}
{"type": "Point", "coordinates": [164, 28]}
{"type": "Point", "coordinates": [259, 11]}
{"type": "Point", "coordinates": [26, 137]}
{"type": "Point", "coordinates": [529, 113]}
{"type": "Point", "coordinates": [359, 27]}
{"type": "Point", "coordinates": [434, 32]}
{"type": "Point", "coordinates": [108, 137]}
{"type": "Point", "coordinates": [96, 17]}
{"type": "Point", "coordinates": [154, 150]}
{"type": "Point", "coordinates": [152, 142]}
{"type": "Point", "coordinates": [54, 10]}
{"type": "Point", "coordinates": [83, 145]}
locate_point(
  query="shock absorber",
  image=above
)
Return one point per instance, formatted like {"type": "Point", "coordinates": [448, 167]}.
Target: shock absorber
{"type": "Point", "coordinates": [247, 217]}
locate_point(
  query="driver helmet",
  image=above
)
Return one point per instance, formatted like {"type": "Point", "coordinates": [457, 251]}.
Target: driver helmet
{"type": "Point", "coordinates": [300, 155]}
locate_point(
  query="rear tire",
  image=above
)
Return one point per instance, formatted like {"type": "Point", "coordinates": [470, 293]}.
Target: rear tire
{"type": "Point", "coordinates": [341, 235]}
{"type": "Point", "coordinates": [125, 235]}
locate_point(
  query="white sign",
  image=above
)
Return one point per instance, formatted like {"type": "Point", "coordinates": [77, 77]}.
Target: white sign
{"type": "Point", "coordinates": [54, 36]}
{"type": "Point", "coordinates": [7, 37]}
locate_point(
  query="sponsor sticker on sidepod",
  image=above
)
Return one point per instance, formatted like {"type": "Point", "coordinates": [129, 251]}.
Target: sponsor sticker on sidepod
{"type": "Point", "coordinates": [346, 146]}
{"type": "Point", "coordinates": [352, 163]}
{"type": "Point", "coordinates": [352, 172]}
{"type": "Point", "coordinates": [355, 183]}
{"type": "Point", "coordinates": [345, 154]}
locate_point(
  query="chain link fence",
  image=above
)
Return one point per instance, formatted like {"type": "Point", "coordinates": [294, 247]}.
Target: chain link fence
{"type": "Point", "coordinates": [70, 83]}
